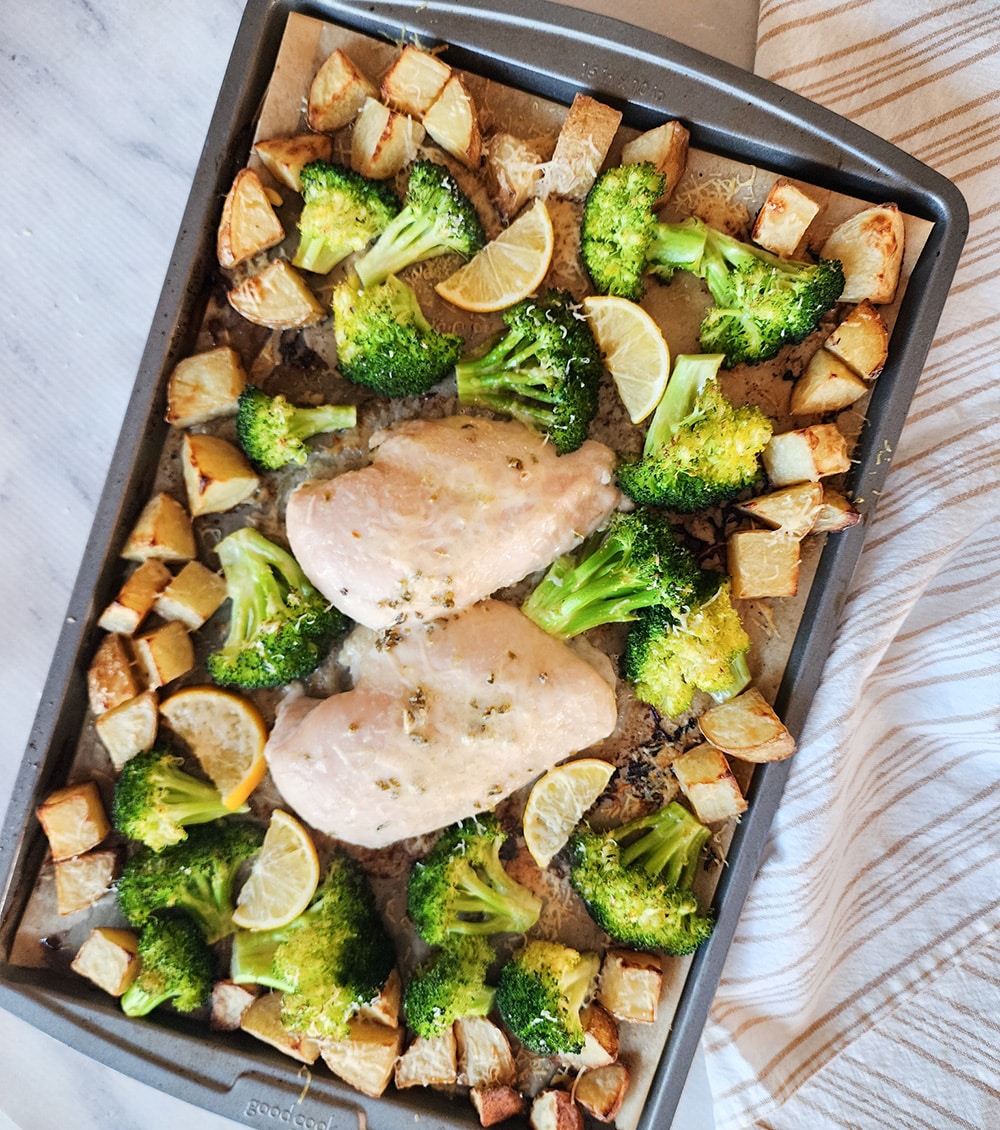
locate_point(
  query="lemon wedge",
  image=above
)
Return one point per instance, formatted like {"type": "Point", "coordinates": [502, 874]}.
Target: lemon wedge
{"type": "Point", "coordinates": [635, 352]}
{"type": "Point", "coordinates": [283, 878]}
{"type": "Point", "coordinates": [557, 802]}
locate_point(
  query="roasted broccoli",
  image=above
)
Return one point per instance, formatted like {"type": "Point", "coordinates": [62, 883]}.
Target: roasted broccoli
{"type": "Point", "coordinates": [384, 341]}
{"type": "Point", "coordinates": [669, 657]}
{"type": "Point", "coordinates": [196, 876]}
{"type": "Point", "coordinates": [460, 886]}
{"type": "Point", "coordinates": [342, 212]}
{"type": "Point", "coordinates": [175, 965]}
{"type": "Point", "coordinates": [762, 302]}
{"type": "Point", "coordinates": [280, 627]}
{"type": "Point", "coordinates": [700, 448]}
{"type": "Point", "coordinates": [155, 800]}
{"type": "Point", "coordinates": [636, 880]}
{"type": "Point", "coordinates": [541, 992]}
{"type": "Point", "coordinates": [449, 985]}
{"type": "Point", "coordinates": [272, 431]}
{"type": "Point", "coordinates": [436, 218]}
{"type": "Point", "coordinates": [544, 370]}
{"type": "Point", "coordinates": [636, 561]}
{"type": "Point", "coordinates": [329, 962]}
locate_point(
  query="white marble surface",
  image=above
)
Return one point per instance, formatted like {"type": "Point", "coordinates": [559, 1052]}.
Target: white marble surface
{"type": "Point", "coordinates": [104, 105]}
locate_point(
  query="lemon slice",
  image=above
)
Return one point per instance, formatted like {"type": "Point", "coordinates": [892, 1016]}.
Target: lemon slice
{"type": "Point", "coordinates": [557, 802]}
{"type": "Point", "coordinates": [508, 268]}
{"type": "Point", "coordinates": [226, 734]}
{"type": "Point", "coordinates": [283, 878]}
{"type": "Point", "coordinates": [634, 351]}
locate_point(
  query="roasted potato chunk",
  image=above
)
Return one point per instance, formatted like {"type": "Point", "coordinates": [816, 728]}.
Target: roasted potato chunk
{"type": "Point", "coordinates": [135, 598]}
{"type": "Point", "coordinates": [601, 1091]}
{"type": "Point", "coordinates": [414, 82]}
{"type": "Point", "coordinates": [229, 1004]}
{"type": "Point", "coordinates": [452, 121]}
{"type": "Point", "coordinates": [285, 157]}
{"type": "Point", "coordinates": [708, 783]}
{"type": "Point", "coordinates": [337, 93]}
{"type": "Point", "coordinates": [429, 1062]}
{"type": "Point", "coordinates": [746, 727]}
{"type": "Point", "coordinates": [367, 1057]}
{"type": "Point", "coordinates": [783, 219]}
{"type": "Point", "coordinates": [827, 385]}
{"type": "Point", "coordinates": [278, 298]}
{"type": "Point", "coordinates": [805, 455]}
{"type": "Point", "coordinates": [666, 147]}
{"type": "Point", "coordinates": [383, 141]}
{"type": "Point", "coordinates": [163, 530]}
{"type": "Point", "coordinates": [192, 596]}
{"type": "Point", "coordinates": [581, 147]}
{"type": "Point", "coordinates": [762, 563]}
{"type": "Point", "coordinates": [130, 727]}
{"type": "Point", "coordinates": [84, 879]}
{"type": "Point", "coordinates": [73, 819]}
{"type": "Point", "coordinates": [165, 654]}
{"type": "Point", "coordinates": [835, 514]}
{"type": "Point", "coordinates": [554, 1109]}
{"type": "Point", "coordinates": [869, 246]}
{"type": "Point", "coordinates": [496, 1104]}
{"type": "Point", "coordinates": [217, 474]}
{"type": "Point", "coordinates": [861, 341]}
{"type": "Point", "coordinates": [262, 1018]}
{"type": "Point", "coordinates": [484, 1055]}
{"type": "Point", "coordinates": [109, 958]}
{"type": "Point", "coordinates": [513, 169]}
{"type": "Point", "coordinates": [249, 224]}
{"type": "Point", "coordinates": [205, 386]}
{"type": "Point", "coordinates": [112, 677]}
{"type": "Point", "coordinates": [630, 985]}
{"type": "Point", "coordinates": [793, 510]}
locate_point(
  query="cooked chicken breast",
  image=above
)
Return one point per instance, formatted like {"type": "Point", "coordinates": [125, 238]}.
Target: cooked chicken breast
{"type": "Point", "coordinates": [444, 720]}
{"type": "Point", "coordinates": [448, 512]}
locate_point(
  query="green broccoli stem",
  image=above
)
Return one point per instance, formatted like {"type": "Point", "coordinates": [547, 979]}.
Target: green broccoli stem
{"type": "Point", "coordinates": [252, 961]}
{"type": "Point", "coordinates": [189, 800]}
{"type": "Point", "coordinates": [692, 372]}
{"type": "Point", "coordinates": [678, 246]}
{"type": "Point", "coordinates": [741, 679]}
{"type": "Point", "coordinates": [408, 238]}
{"type": "Point", "coordinates": [136, 1001]}
{"type": "Point", "coordinates": [257, 596]}
{"type": "Point", "coordinates": [303, 423]}
{"type": "Point", "coordinates": [668, 844]}
{"type": "Point", "coordinates": [316, 254]}
{"type": "Point", "coordinates": [494, 899]}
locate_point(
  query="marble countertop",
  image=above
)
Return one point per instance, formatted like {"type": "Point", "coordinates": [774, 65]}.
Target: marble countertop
{"type": "Point", "coordinates": [104, 109]}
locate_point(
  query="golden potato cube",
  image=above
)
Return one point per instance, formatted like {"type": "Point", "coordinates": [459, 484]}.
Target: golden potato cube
{"type": "Point", "coordinates": [581, 147]}
{"type": "Point", "coordinates": [135, 598]}
{"type": "Point", "coordinates": [163, 530]}
{"type": "Point", "coordinates": [861, 341]}
{"type": "Point", "coordinates": [129, 728]}
{"type": "Point", "coordinates": [112, 677]}
{"type": "Point", "coordinates": [805, 455]}
{"type": "Point", "coordinates": [414, 81]}
{"type": "Point", "coordinates": [262, 1018]}
{"type": "Point", "coordinates": [383, 141]}
{"type": "Point", "coordinates": [762, 563]}
{"type": "Point", "coordinates": [165, 653]}
{"type": "Point", "coordinates": [367, 1057]}
{"type": "Point", "coordinates": [869, 246]}
{"type": "Point", "coordinates": [554, 1109]}
{"type": "Point", "coordinates": [793, 510]}
{"type": "Point", "coordinates": [484, 1055]}
{"type": "Point", "coordinates": [386, 1007]}
{"type": "Point", "coordinates": [192, 596]}
{"type": "Point", "coordinates": [205, 386]}
{"type": "Point", "coordinates": [513, 168]}
{"type": "Point", "coordinates": [110, 958]}
{"type": "Point", "coordinates": [84, 879]}
{"type": "Point", "coordinates": [630, 985]}
{"type": "Point", "coordinates": [337, 92]}
{"type": "Point", "coordinates": [827, 385]}
{"type": "Point", "coordinates": [747, 727]}
{"type": "Point", "coordinates": [73, 819]}
{"type": "Point", "coordinates": [453, 123]}
{"type": "Point", "coordinates": [217, 474]}
{"type": "Point", "coordinates": [229, 1005]}
{"type": "Point", "coordinates": [837, 513]}
{"type": "Point", "coordinates": [601, 1091]}
{"type": "Point", "coordinates": [666, 147]}
{"type": "Point", "coordinates": [496, 1104]}
{"type": "Point", "coordinates": [428, 1062]}
{"type": "Point", "coordinates": [285, 157]}
{"type": "Point", "coordinates": [706, 780]}
{"type": "Point", "coordinates": [277, 297]}
{"type": "Point", "coordinates": [783, 218]}
{"type": "Point", "coordinates": [249, 224]}
{"type": "Point", "coordinates": [600, 1039]}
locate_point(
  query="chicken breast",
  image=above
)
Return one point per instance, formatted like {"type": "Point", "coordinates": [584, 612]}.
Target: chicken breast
{"type": "Point", "coordinates": [448, 512]}
{"type": "Point", "coordinates": [444, 720]}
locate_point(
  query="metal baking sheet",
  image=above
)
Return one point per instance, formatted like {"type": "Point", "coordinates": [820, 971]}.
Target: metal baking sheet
{"type": "Point", "coordinates": [552, 52]}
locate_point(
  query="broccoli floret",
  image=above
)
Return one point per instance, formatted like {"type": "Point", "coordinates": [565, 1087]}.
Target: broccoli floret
{"type": "Point", "coordinates": [636, 880]}
{"type": "Point", "coordinates": [272, 431]}
{"type": "Point", "coordinates": [342, 212]}
{"type": "Point", "coordinates": [436, 218]}
{"type": "Point", "coordinates": [196, 876]}
{"type": "Point", "coordinates": [155, 800]}
{"type": "Point", "coordinates": [449, 985]}
{"type": "Point", "coordinates": [700, 448]}
{"type": "Point", "coordinates": [541, 992]}
{"type": "Point", "coordinates": [636, 561]}
{"type": "Point", "coordinates": [385, 343]}
{"type": "Point", "coordinates": [762, 302]}
{"type": "Point", "coordinates": [460, 886]}
{"type": "Point", "coordinates": [669, 657]}
{"type": "Point", "coordinates": [175, 965]}
{"type": "Point", "coordinates": [545, 370]}
{"type": "Point", "coordinates": [332, 959]}
{"type": "Point", "coordinates": [280, 626]}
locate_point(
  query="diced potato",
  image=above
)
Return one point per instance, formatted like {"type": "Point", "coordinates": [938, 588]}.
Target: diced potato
{"type": "Point", "coordinates": [385, 1008]}
{"type": "Point", "coordinates": [192, 596]}
{"type": "Point", "coordinates": [601, 1091]}
{"type": "Point", "coordinates": [706, 780]}
{"type": "Point", "coordinates": [165, 653]}
{"type": "Point", "coordinates": [484, 1055]}
{"type": "Point", "coordinates": [630, 985]}
{"type": "Point", "coordinates": [110, 958]}
{"type": "Point", "coordinates": [84, 879]}
{"type": "Point", "coordinates": [163, 531]}
{"type": "Point", "coordinates": [249, 224]}
{"type": "Point", "coordinates": [861, 341]}
{"type": "Point", "coordinates": [428, 1062]}
{"type": "Point", "coordinates": [666, 147]}
{"type": "Point", "coordinates": [278, 298]}
{"type": "Point", "coordinates": [869, 246]}
{"type": "Point", "coordinates": [337, 93]}
{"type": "Point", "coordinates": [112, 677]}
{"type": "Point", "coordinates": [205, 387]}
{"type": "Point", "coordinates": [513, 168]}
{"type": "Point", "coordinates": [783, 218]}
{"type": "Point", "coordinates": [383, 141]}
{"type": "Point", "coordinates": [217, 474]}
{"type": "Point", "coordinates": [747, 727]}
{"type": "Point", "coordinates": [285, 157]}
{"type": "Point", "coordinates": [366, 1059]}
{"type": "Point", "coordinates": [762, 563]}
{"type": "Point", "coordinates": [452, 121]}
{"type": "Point", "coordinates": [581, 147]}
{"type": "Point", "coordinates": [837, 513]}
{"type": "Point", "coordinates": [135, 598]}
{"type": "Point", "coordinates": [496, 1104]}
{"type": "Point", "coordinates": [554, 1109]}
{"type": "Point", "coordinates": [827, 385]}
{"type": "Point", "coordinates": [229, 1004]}
{"type": "Point", "coordinates": [600, 1039]}
{"type": "Point", "coordinates": [263, 1019]}
{"type": "Point", "coordinates": [415, 81]}
{"type": "Point", "coordinates": [793, 510]}
{"type": "Point", "coordinates": [130, 727]}
{"type": "Point", "coordinates": [73, 819]}
{"type": "Point", "coordinates": [805, 455]}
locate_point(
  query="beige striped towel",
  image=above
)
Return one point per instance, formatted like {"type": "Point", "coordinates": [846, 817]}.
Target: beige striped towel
{"type": "Point", "coordinates": [863, 986]}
